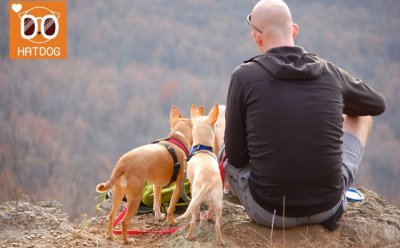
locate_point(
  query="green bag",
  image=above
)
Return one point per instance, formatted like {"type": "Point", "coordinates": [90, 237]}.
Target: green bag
{"type": "Point", "coordinates": [166, 194]}
{"type": "Point", "coordinates": [146, 205]}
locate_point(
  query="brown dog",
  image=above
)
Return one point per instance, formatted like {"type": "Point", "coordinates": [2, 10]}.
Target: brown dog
{"type": "Point", "coordinates": [152, 163]}
{"type": "Point", "coordinates": [203, 172]}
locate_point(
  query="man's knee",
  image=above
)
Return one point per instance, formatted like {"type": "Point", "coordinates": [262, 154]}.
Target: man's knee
{"type": "Point", "coordinates": [359, 126]}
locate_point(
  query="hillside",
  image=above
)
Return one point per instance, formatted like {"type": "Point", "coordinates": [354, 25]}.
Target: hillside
{"type": "Point", "coordinates": [371, 223]}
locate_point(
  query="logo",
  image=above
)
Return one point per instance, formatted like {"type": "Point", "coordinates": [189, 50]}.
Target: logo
{"type": "Point", "coordinates": [38, 30]}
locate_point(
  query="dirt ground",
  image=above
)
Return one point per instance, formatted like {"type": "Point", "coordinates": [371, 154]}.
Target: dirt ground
{"type": "Point", "coordinates": [371, 223]}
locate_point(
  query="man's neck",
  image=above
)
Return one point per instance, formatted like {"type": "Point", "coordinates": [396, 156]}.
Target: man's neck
{"type": "Point", "coordinates": [270, 45]}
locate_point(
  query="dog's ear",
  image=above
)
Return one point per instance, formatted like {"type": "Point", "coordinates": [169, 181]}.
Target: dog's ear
{"type": "Point", "coordinates": [174, 115]}
{"type": "Point", "coordinates": [213, 115]}
{"type": "Point", "coordinates": [194, 111]}
{"type": "Point", "coordinates": [202, 110]}
{"type": "Point", "coordinates": [221, 109]}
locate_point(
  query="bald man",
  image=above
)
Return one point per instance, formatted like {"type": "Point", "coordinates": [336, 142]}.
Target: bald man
{"type": "Point", "coordinates": [296, 127]}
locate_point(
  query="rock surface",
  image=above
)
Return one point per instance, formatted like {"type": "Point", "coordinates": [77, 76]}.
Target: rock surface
{"type": "Point", "coordinates": [371, 223]}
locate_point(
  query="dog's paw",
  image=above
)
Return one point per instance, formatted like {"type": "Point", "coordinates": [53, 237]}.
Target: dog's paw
{"type": "Point", "coordinates": [189, 237]}
{"type": "Point", "coordinates": [127, 242]}
{"type": "Point", "coordinates": [160, 217]}
{"type": "Point", "coordinates": [172, 221]}
{"type": "Point", "coordinates": [227, 188]}
{"type": "Point", "coordinates": [110, 237]}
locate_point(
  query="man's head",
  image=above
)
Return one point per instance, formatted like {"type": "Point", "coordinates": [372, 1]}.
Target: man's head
{"type": "Point", "coordinates": [272, 25]}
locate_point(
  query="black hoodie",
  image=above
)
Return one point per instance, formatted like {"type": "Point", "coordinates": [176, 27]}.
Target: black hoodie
{"type": "Point", "coordinates": [284, 116]}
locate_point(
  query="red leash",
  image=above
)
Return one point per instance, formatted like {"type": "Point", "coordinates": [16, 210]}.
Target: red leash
{"type": "Point", "coordinates": [135, 232]}
{"type": "Point", "coordinates": [221, 169]}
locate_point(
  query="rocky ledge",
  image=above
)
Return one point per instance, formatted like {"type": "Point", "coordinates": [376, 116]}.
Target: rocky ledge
{"type": "Point", "coordinates": [370, 223]}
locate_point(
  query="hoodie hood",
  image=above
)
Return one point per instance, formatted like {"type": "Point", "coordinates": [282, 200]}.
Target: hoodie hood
{"type": "Point", "coordinates": [291, 63]}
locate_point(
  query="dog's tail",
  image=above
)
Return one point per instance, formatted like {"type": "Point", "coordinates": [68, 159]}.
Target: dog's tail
{"type": "Point", "coordinates": [102, 187]}
{"type": "Point", "coordinates": [194, 203]}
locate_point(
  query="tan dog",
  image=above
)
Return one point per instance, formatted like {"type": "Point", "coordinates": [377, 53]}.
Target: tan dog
{"type": "Point", "coordinates": [152, 163]}
{"type": "Point", "coordinates": [203, 172]}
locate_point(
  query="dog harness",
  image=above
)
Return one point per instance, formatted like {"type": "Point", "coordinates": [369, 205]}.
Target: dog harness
{"type": "Point", "coordinates": [171, 151]}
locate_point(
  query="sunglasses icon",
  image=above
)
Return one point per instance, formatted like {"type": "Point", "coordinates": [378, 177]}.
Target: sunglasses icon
{"type": "Point", "coordinates": [49, 25]}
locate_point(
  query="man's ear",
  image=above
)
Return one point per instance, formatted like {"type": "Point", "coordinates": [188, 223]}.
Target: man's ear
{"type": "Point", "coordinates": [174, 115]}
{"type": "Point", "coordinates": [295, 30]}
{"type": "Point", "coordinates": [257, 38]}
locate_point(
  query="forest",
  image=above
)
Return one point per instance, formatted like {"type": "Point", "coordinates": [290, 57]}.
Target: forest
{"type": "Point", "coordinates": [64, 123]}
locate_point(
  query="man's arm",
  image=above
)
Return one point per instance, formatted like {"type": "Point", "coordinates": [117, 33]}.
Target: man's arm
{"type": "Point", "coordinates": [235, 130]}
{"type": "Point", "coordinates": [359, 98]}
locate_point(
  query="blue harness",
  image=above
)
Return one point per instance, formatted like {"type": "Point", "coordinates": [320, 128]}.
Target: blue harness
{"type": "Point", "coordinates": [197, 148]}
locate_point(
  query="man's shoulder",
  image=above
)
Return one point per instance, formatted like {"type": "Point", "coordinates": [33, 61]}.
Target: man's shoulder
{"type": "Point", "coordinates": [252, 59]}
{"type": "Point", "coordinates": [246, 67]}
